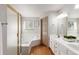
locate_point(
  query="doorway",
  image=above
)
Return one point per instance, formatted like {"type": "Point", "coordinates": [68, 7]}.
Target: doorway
{"type": "Point", "coordinates": [44, 31]}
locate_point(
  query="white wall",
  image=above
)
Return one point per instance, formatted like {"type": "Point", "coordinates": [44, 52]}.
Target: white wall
{"type": "Point", "coordinates": [1, 49]}
{"type": "Point", "coordinates": [3, 17]}
{"type": "Point", "coordinates": [78, 27]}
{"type": "Point", "coordinates": [11, 32]}
{"type": "Point", "coordinates": [56, 26]}
{"type": "Point", "coordinates": [52, 29]}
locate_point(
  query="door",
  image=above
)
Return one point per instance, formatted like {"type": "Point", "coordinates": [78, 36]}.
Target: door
{"type": "Point", "coordinates": [44, 31]}
{"type": "Point", "coordinates": [12, 31]}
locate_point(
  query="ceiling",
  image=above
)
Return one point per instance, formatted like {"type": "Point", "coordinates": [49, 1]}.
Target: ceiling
{"type": "Point", "coordinates": [47, 7]}
{"type": "Point", "coordinates": [37, 10]}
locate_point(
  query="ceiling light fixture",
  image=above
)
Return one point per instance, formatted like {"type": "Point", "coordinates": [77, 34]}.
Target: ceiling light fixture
{"type": "Point", "coordinates": [77, 6]}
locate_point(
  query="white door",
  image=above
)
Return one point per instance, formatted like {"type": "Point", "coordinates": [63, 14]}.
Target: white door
{"type": "Point", "coordinates": [11, 32]}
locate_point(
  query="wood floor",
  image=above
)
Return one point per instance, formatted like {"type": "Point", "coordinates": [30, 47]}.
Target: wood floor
{"type": "Point", "coordinates": [41, 50]}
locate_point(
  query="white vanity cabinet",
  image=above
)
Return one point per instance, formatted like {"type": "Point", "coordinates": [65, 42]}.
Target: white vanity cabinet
{"type": "Point", "coordinates": [59, 47]}
{"type": "Point", "coordinates": [70, 52]}
{"type": "Point", "coordinates": [56, 48]}
{"type": "Point", "coordinates": [63, 50]}
{"type": "Point", "coordinates": [51, 44]}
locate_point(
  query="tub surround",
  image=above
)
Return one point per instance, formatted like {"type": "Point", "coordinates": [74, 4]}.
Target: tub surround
{"type": "Point", "coordinates": [26, 48]}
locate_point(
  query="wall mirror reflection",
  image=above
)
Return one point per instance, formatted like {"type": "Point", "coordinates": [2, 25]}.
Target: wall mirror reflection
{"type": "Point", "coordinates": [72, 27]}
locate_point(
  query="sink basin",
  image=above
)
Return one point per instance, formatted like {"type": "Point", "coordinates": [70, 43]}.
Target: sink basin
{"type": "Point", "coordinates": [70, 40]}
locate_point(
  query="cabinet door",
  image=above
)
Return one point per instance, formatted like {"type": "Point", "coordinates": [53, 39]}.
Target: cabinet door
{"type": "Point", "coordinates": [56, 47]}
{"type": "Point", "coordinates": [63, 50]}
{"type": "Point", "coordinates": [60, 49]}
{"type": "Point", "coordinates": [70, 52]}
{"type": "Point", "coordinates": [52, 46]}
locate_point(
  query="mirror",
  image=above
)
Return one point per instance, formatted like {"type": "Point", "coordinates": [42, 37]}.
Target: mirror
{"type": "Point", "coordinates": [72, 27]}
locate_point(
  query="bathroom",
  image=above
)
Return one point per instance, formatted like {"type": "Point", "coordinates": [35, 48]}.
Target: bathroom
{"type": "Point", "coordinates": [24, 26]}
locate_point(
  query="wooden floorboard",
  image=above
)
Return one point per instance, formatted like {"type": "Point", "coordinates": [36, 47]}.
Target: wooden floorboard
{"type": "Point", "coordinates": [41, 50]}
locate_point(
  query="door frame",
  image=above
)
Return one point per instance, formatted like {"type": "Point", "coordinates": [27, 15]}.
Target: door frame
{"type": "Point", "coordinates": [42, 31]}
{"type": "Point", "coordinates": [18, 14]}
